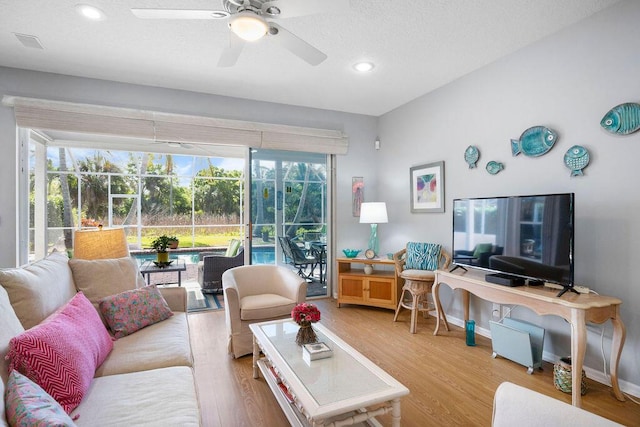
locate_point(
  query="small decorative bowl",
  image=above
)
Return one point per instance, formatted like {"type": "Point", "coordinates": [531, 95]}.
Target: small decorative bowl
{"type": "Point", "coordinates": [351, 253]}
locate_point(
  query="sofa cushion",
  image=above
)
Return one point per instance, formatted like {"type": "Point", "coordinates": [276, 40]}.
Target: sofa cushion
{"type": "Point", "coordinates": [36, 291]}
{"type": "Point", "coordinates": [265, 306]}
{"type": "Point", "coordinates": [101, 278]}
{"type": "Point", "coordinates": [234, 246]}
{"type": "Point", "coordinates": [422, 256]}
{"type": "Point", "coordinates": [418, 274]}
{"type": "Point", "coordinates": [159, 397]}
{"type": "Point", "coordinates": [29, 405]}
{"type": "Point", "coordinates": [10, 326]}
{"type": "Point", "coordinates": [62, 353]}
{"type": "Point", "coordinates": [157, 346]}
{"type": "Point", "coordinates": [130, 311]}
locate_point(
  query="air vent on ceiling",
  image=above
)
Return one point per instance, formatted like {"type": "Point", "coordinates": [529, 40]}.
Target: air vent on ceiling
{"type": "Point", "coordinates": [29, 41]}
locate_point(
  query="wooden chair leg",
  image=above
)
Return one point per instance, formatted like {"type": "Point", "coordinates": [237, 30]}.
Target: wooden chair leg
{"type": "Point", "coordinates": [399, 305]}
{"type": "Point", "coordinates": [414, 314]}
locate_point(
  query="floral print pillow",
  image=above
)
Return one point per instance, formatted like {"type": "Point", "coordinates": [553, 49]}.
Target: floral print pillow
{"type": "Point", "coordinates": [133, 310]}
{"type": "Point", "coordinates": [27, 404]}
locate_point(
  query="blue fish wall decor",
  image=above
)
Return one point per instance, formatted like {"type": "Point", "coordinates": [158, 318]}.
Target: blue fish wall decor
{"type": "Point", "coordinates": [494, 167]}
{"type": "Point", "coordinates": [471, 156]}
{"type": "Point", "coordinates": [622, 119]}
{"type": "Point", "coordinates": [576, 158]}
{"type": "Point", "coordinates": [534, 142]}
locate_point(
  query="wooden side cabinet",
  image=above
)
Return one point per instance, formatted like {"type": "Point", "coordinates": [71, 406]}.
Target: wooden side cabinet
{"type": "Point", "coordinates": [381, 288]}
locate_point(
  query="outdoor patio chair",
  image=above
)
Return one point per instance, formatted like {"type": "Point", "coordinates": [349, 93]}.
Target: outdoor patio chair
{"type": "Point", "coordinates": [298, 258]}
{"type": "Point", "coordinates": [211, 267]}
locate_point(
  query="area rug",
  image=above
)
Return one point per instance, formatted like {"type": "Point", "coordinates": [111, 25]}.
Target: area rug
{"type": "Point", "coordinates": [197, 301]}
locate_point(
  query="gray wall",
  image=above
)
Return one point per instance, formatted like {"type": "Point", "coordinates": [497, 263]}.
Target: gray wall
{"type": "Point", "coordinates": [566, 82]}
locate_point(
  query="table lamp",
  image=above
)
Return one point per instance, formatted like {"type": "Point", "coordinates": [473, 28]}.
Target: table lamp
{"type": "Point", "coordinates": [104, 243]}
{"type": "Point", "coordinates": [374, 213]}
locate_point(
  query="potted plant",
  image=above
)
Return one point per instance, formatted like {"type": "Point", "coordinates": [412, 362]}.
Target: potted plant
{"type": "Point", "coordinates": [160, 244]}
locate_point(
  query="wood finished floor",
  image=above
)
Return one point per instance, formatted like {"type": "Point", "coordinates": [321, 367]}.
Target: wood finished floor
{"type": "Point", "coordinates": [450, 384]}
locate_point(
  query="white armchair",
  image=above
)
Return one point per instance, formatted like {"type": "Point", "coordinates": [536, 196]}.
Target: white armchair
{"type": "Point", "coordinates": [256, 293]}
{"type": "Point", "coordinates": [514, 405]}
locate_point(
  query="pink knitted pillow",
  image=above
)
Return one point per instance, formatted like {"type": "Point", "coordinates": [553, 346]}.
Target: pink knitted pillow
{"type": "Point", "coordinates": [61, 354]}
{"type": "Point", "coordinates": [130, 311]}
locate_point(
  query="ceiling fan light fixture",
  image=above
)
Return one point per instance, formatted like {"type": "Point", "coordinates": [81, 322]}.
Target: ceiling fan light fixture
{"type": "Point", "coordinates": [248, 25]}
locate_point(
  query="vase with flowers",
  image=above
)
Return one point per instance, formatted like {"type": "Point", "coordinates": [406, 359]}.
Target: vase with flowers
{"type": "Point", "coordinates": [304, 315]}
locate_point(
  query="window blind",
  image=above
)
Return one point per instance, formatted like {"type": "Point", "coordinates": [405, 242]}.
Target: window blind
{"type": "Point", "coordinates": [166, 127]}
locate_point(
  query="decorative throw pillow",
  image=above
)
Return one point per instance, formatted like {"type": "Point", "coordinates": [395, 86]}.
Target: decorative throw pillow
{"type": "Point", "coordinates": [39, 289]}
{"type": "Point", "coordinates": [234, 246]}
{"type": "Point", "coordinates": [62, 353]}
{"type": "Point", "coordinates": [133, 310]}
{"type": "Point", "coordinates": [101, 278]}
{"type": "Point", "coordinates": [482, 248]}
{"type": "Point", "coordinates": [29, 405]}
{"type": "Point", "coordinates": [422, 256]}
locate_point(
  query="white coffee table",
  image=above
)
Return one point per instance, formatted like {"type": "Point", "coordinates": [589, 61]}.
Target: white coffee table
{"type": "Point", "coordinates": [329, 392]}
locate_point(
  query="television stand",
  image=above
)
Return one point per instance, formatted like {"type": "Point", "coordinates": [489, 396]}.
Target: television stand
{"type": "Point", "coordinates": [577, 310]}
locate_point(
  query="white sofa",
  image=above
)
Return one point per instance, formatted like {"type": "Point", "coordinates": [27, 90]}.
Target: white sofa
{"type": "Point", "coordinates": [147, 379]}
{"type": "Point", "coordinates": [514, 405]}
{"type": "Point", "coordinates": [257, 293]}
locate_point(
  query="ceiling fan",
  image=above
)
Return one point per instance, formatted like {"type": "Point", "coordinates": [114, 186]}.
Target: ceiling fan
{"type": "Point", "coordinates": [250, 20]}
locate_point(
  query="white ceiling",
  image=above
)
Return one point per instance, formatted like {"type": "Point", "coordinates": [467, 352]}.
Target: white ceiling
{"type": "Point", "coordinates": [417, 46]}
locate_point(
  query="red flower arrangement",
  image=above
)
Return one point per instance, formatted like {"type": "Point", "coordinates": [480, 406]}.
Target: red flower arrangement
{"type": "Point", "coordinates": [305, 312]}
{"type": "Point", "coordinates": [304, 315]}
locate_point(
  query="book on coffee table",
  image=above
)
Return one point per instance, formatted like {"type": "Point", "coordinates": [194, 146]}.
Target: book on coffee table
{"type": "Point", "coordinates": [315, 351]}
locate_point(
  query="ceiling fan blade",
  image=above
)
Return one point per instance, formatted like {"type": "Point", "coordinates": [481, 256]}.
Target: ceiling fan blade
{"type": "Point", "coordinates": [291, 8]}
{"type": "Point", "coordinates": [176, 14]}
{"type": "Point", "coordinates": [296, 45]}
{"type": "Point", "coordinates": [231, 53]}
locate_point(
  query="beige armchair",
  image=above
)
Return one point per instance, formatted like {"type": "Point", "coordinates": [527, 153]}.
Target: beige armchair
{"type": "Point", "coordinates": [256, 293]}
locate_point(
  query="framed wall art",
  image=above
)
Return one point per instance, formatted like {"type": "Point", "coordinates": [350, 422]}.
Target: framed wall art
{"type": "Point", "coordinates": [357, 194]}
{"type": "Point", "coordinates": [427, 187]}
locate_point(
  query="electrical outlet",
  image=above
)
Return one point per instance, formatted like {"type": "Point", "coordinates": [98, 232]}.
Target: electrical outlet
{"type": "Point", "coordinates": [496, 311]}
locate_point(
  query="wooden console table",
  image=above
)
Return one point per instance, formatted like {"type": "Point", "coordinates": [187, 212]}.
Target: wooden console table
{"type": "Point", "coordinates": [577, 309]}
{"type": "Point", "coordinates": [381, 288]}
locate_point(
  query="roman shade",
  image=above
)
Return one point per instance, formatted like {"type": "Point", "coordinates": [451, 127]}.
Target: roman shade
{"type": "Point", "coordinates": [167, 127]}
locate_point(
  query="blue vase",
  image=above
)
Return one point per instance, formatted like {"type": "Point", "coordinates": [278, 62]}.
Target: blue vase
{"type": "Point", "coordinates": [470, 329]}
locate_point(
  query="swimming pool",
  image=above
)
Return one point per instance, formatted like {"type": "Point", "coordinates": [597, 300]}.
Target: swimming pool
{"type": "Point", "coordinates": [259, 255]}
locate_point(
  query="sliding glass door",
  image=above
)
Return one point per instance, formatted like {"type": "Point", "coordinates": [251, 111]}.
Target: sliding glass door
{"type": "Point", "coordinates": [289, 213]}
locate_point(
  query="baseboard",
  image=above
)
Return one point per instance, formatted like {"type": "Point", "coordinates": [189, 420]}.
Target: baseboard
{"type": "Point", "coordinates": [593, 374]}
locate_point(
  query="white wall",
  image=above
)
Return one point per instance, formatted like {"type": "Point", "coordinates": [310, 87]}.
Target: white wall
{"type": "Point", "coordinates": [360, 129]}
{"type": "Point", "coordinates": [566, 82]}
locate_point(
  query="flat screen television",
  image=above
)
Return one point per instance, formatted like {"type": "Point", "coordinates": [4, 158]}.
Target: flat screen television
{"type": "Point", "coordinates": [523, 237]}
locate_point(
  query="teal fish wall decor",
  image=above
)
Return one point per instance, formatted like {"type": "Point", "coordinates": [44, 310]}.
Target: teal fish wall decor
{"type": "Point", "coordinates": [576, 158]}
{"type": "Point", "coordinates": [494, 167]}
{"type": "Point", "coordinates": [534, 142]}
{"type": "Point", "coordinates": [622, 119]}
{"type": "Point", "coordinates": [471, 156]}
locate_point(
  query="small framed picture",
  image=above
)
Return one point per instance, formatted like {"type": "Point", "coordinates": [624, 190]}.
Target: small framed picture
{"type": "Point", "coordinates": [427, 187]}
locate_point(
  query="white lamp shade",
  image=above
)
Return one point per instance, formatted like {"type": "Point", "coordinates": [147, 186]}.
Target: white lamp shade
{"type": "Point", "coordinates": [100, 244]}
{"type": "Point", "coordinates": [373, 213]}
{"type": "Point", "coordinates": [248, 26]}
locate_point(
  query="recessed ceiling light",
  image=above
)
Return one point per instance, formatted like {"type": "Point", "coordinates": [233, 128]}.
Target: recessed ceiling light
{"type": "Point", "coordinates": [90, 12]}
{"type": "Point", "coordinates": [363, 67]}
